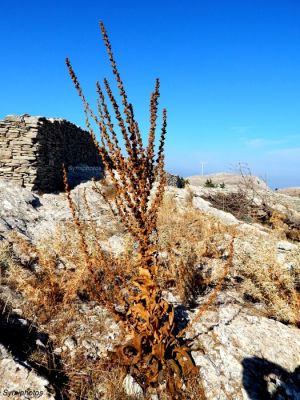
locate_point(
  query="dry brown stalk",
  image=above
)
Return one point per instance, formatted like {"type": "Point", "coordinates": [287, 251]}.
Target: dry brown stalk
{"type": "Point", "coordinates": [83, 245]}
{"type": "Point", "coordinates": [133, 177]}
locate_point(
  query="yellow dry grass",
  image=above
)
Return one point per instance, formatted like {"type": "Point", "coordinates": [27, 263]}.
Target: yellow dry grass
{"type": "Point", "coordinates": [265, 279]}
{"type": "Point", "coordinates": [193, 247]}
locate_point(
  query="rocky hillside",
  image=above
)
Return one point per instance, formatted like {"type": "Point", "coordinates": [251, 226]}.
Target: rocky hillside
{"type": "Point", "coordinates": [291, 191]}
{"type": "Point", "coordinates": [241, 310]}
{"type": "Point", "coordinates": [231, 179]}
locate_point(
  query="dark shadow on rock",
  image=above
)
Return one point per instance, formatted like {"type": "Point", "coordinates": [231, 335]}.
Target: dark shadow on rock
{"type": "Point", "coordinates": [22, 339]}
{"type": "Point", "coordinates": [36, 203]}
{"type": "Point", "coordinates": [181, 318]}
{"type": "Point", "coordinates": [264, 380]}
{"type": "Point", "coordinates": [63, 143]}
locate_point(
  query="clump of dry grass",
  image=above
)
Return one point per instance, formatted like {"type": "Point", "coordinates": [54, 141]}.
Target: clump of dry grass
{"type": "Point", "coordinates": [192, 239]}
{"type": "Point", "coordinates": [54, 294]}
{"type": "Point", "coordinates": [6, 259]}
{"type": "Point", "coordinates": [189, 241]}
{"type": "Point", "coordinates": [267, 281]}
{"type": "Point", "coordinates": [237, 203]}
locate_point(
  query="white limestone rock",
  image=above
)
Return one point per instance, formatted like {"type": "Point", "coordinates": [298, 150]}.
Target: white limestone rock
{"type": "Point", "coordinates": [19, 382]}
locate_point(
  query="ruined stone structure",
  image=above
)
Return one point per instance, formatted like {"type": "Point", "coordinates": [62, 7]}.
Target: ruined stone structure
{"type": "Point", "coordinates": [33, 149]}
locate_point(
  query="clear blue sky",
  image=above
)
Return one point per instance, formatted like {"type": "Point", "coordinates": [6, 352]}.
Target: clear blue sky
{"type": "Point", "coordinates": [229, 73]}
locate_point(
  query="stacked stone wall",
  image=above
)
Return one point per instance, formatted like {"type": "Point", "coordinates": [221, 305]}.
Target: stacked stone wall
{"type": "Point", "coordinates": [33, 149]}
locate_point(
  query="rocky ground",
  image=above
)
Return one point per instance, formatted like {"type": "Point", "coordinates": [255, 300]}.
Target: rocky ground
{"type": "Point", "coordinates": [242, 352]}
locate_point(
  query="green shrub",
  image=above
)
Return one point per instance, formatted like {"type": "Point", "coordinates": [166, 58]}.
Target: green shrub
{"type": "Point", "coordinates": [209, 183]}
{"type": "Point", "coordinates": [182, 182]}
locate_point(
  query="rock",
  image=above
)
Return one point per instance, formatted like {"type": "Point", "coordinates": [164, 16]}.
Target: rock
{"type": "Point", "coordinates": [114, 244]}
{"type": "Point", "coordinates": [13, 118]}
{"type": "Point", "coordinates": [16, 208]}
{"type": "Point", "coordinates": [132, 388]}
{"type": "Point", "coordinates": [35, 216]}
{"type": "Point", "coordinates": [70, 343]}
{"type": "Point", "coordinates": [240, 354]}
{"type": "Point", "coordinates": [19, 382]}
{"type": "Point", "coordinates": [286, 246]}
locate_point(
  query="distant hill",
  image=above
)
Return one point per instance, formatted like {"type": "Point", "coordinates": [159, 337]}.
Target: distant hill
{"type": "Point", "coordinates": [291, 191]}
{"type": "Point", "coordinates": [228, 179]}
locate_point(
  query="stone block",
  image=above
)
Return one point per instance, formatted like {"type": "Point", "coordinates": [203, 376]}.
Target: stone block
{"type": "Point", "coordinates": [4, 170]}
{"type": "Point", "coordinates": [26, 157]}
{"type": "Point", "coordinates": [12, 135]}
{"type": "Point", "coordinates": [13, 118]}
{"type": "Point", "coordinates": [5, 154]}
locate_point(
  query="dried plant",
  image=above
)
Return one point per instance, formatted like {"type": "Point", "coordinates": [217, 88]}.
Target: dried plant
{"type": "Point", "coordinates": [264, 279]}
{"type": "Point", "coordinates": [155, 354]}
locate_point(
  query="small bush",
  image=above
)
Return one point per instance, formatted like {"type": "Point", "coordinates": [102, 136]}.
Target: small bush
{"type": "Point", "coordinates": [236, 203]}
{"type": "Point", "coordinates": [209, 183]}
{"type": "Point", "coordinates": [181, 182]}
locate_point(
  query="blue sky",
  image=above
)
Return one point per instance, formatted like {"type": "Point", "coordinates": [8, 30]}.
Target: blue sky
{"type": "Point", "coordinates": [229, 73]}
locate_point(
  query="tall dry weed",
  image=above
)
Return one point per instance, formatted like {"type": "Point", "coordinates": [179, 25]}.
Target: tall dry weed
{"type": "Point", "coordinates": [154, 353]}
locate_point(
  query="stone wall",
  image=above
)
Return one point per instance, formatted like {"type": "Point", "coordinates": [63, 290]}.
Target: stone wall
{"type": "Point", "coordinates": [33, 149]}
